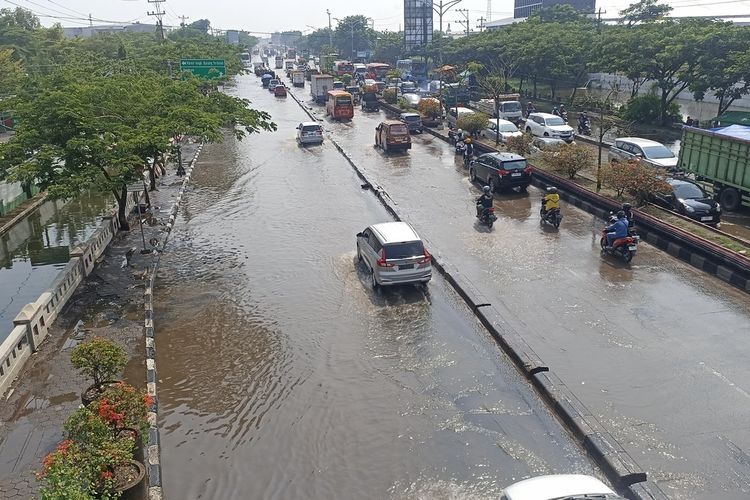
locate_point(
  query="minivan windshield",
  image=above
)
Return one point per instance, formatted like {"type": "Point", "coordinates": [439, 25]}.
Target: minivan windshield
{"type": "Point", "coordinates": [508, 127]}
{"type": "Point", "coordinates": [412, 118]}
{"type": "Point", "coordinates": [514, 165]}
{"type": "Point", "coordinates": [555, 121]}
{"type": "Point", "coordinates": [310, 128]}
{"type": "Point", "coordinates": [404, 250]}
{"type": "Point", "coordinates": [657, 152]}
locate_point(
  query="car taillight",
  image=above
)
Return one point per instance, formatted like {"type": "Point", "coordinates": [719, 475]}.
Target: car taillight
{"type": "Point", "coordinates": [527, 170]}
{"type": "Point", "coordinates": [503, 172]}
{"type": "Point", "coordinates": [381, 260]}
{"type": "Point", "coordinates": [426, 259]}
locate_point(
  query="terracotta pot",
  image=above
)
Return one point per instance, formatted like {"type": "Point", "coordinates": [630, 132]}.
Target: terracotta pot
{"type": "Point", "coordinates": [129, 476]}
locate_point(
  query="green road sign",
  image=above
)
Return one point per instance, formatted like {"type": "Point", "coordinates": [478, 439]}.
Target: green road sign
{"type": "Point", "coordinates": [206, 68]}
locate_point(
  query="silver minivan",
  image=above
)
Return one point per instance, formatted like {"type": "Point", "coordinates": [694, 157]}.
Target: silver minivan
{"type": "Point", "coordinates": [393, 254]}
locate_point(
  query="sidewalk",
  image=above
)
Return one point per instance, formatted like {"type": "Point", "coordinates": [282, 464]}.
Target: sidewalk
{"type": "Point", "coordinates": [109, 303]}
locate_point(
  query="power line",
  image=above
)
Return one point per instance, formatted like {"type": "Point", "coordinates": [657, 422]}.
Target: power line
{"type": "Point", "coordinates": [67, 8]}
{"type": "Point", "coordinates": [68, 18]}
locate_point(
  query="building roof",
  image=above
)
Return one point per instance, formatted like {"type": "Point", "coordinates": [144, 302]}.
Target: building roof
{"type": "Point", "coordinates": [491, 25]}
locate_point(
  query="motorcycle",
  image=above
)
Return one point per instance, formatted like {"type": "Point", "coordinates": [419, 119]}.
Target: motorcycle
{"type": "Point", "coordinates": [564, 116]}
{"type": "Point", "coordinates": [460, 147]}
{"type": "Point", "coordinates": [467, 160]}
{"type": "Point", "coordinates": [553, 217]}
{"type": "Point", "coordinates": [487, 216]}
{"type": "Point", "coordinates": [584, 128]}
{"type": "Point", "coordinates": [622, 248]}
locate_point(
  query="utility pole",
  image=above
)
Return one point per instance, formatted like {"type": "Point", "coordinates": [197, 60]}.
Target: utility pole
{"type": "Point", "coordinates": [330, 29]}
{"type": "Point", "coordinates": [159, 15]}
{"type": "Point", "coordinates": [91, 21]}
{"type": "Point", "coordinates": [489, 10]}
{"type": "Point", "coordinates": [465, 22]}
{"type": "Point", "coordinates": [441, 9]}
{"type": "Point", "coordinates": [481, 23]}
{"type": "Point", "coordinates": [182, 20]}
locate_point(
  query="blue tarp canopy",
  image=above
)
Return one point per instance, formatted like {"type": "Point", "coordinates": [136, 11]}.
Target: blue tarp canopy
{"type": "Point", "coordinates": [736, 131]}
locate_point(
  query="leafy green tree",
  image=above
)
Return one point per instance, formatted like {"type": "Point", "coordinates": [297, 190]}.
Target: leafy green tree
{"type": "Point", "coordinates": [100, 132]}
{"type": "Point", "coordinates": [473, 123]}
{"type": "Point", "coordinates": [12, 73]}
{"type": "Point", "coordinates": [388, 46]}
{"type": "Point", "coordinates": [352, 34]}
{"type": "Point", "coordinates": [202, 25]}
{"type": "Point", "coordinates": [644, 11]}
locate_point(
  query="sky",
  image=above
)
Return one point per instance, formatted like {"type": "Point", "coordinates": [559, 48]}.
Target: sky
{"type": "Point", "coordinates": [261, 17]}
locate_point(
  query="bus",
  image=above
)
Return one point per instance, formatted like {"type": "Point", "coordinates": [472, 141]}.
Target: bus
{"type": "Point", "coordinates": [342, 68]}
{"type": "Point", "coordinates": [279, 62]}
{"type": "Point", "coordinates": [412, 69]}
{"type": "Point", "coordinates": [340, 105]}
{"type": "Point", "coordinates": [377, 71]}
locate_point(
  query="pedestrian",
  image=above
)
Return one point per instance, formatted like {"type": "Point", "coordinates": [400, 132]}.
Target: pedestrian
{"type": "Point", "coordinates": [689, 122]}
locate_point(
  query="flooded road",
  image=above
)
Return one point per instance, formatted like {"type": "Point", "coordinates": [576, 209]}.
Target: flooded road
{"type": "Point", "coordinates": [656, 350]}
{"type": "Point", "coordinates": [33, 251]}
{"type": "Point", "coordinates": [283, 375]}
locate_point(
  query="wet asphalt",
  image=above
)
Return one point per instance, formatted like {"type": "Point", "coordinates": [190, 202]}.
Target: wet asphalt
{"type": "Point", "coordinates": [283, 375]}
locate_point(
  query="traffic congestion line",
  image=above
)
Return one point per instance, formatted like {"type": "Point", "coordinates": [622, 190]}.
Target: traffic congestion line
{"type": "Point", "coordinates": [619, 467]}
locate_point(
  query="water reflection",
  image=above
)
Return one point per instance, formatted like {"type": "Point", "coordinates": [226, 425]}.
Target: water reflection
{"type": "Point", "coordinates": [34, 250]}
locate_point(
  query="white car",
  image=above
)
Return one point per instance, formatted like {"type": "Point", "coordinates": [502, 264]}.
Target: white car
{"type": "Point", "coordinates": [549, 125]}
{"type": "Point", "coordinates": [412, 99]}
{"type": "Point", "coordinates": [507, 130]}
{"type": "Point", "coordinates": [559, 486]}
{"type": "Point", "coordinates": [309, 133]}
{"type": "Point", "coordinates": [651, 152]}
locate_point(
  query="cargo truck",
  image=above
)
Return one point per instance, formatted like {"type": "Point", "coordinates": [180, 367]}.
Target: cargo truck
{"type": "Point", "coordinates": [319, 87]}
{"type": "Point", "coordinates": [509, 107]}
{"type": "Point", "coordinates": [298, 78]}
{"type": "Point", "coordinates": [720, 158]}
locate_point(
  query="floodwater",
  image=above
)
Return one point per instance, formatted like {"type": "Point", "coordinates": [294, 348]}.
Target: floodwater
{"type": "Point", "coordinates": [283, 375]}
{"type": "Point", "coordinates": [656, 350]}
{"type": "Point", "coordinates": [33, 251]}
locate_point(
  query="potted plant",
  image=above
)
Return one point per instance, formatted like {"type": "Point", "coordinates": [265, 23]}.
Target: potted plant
{"type": "Point", "coordinates": [125, 408]}
{"type": "Point", "coordinates": [100, 359]}
{"type": "Point", "coordinates": [67, 473]}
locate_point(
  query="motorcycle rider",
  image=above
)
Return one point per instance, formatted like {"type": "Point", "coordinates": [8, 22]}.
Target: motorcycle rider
{"type": "Point", "coordinates": [468, 150]}
{"type": "Point", "coordinates": [563, 112]}
{"type": "Point", "coordinates": [626, 207]}
{"type": "Point", "coordinates": [550, 201]}
{"type": "Point", "coordinates": [555, 111]}
{"type": "Point", "coordinates": [583, 122]}
{"type": "Point", "coordinates": [530, 108]}
{"type": "Point", "coordinates": [618, 229]}
{"type": "Point", "coordinates": [485, 201]}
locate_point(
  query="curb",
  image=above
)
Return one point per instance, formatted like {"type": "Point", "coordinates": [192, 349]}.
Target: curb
{"type": "Point", "coordinates": [153, 448]}
{"type": "Point", "coordinates": [623, 472]}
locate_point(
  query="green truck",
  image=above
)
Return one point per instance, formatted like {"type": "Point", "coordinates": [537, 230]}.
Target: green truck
{"type": "Point", "coordinates": [720, 159]}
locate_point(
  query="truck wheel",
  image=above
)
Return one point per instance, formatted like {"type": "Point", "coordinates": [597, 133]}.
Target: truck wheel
{"type": "Point", "coordinates": [729, 199]}
{"type": "Point", "coordinates": [528, 130]}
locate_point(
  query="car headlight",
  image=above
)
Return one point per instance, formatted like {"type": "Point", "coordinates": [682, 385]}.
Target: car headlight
{"type": "Point", "coordinates": [718, 208]}
{"type": "Point", "coordinates": [689, 209]}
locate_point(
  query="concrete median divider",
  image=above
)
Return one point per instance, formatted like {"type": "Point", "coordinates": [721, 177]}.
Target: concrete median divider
{"type": "Point", "coordinates": [618, 466]}
{"type": "Point", "coordinates": [153, 446]}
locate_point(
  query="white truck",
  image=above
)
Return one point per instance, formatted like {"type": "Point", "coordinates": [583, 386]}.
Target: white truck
{"type": "Point", "coordinates": [509, 109]}
{"type": "Point", "coordinates": [319, 87]}
{"type": "Point", "coordinates": [298, 78]}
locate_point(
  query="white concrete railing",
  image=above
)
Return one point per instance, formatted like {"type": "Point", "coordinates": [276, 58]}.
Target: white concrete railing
{"type": "Point", "coordinates": [33, 322]}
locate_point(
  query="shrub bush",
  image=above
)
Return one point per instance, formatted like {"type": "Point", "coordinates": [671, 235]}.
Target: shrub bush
{"type": "Point", "coordinates": [473, 123]}
{"type": "Point", "coordinates": [638, 179]}
{"type": "Point", "coordinates": [430, 108]}
{"type": "Point", "coordinates": [520, 145]}
{"type": "Point", "coordinates": [645, 109]}
{"type": "Point", "coordinates": [569, 159]}
{"type": "Point", "coordinates": [99, 358]}
{"type": "Point", "coordinates": [390, 96]}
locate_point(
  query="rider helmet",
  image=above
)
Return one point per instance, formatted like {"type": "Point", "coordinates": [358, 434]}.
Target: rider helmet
{"type": "Point", "coordinates": [486, 189]}
{"type": "Point", "coordinates": [467, 140]}
{"type": "Point", "coordinates": [552, 190]}
{"type": "Point", "coordinates": [626, 207]}
{"type": "Point", "coordinates": [621, 214]}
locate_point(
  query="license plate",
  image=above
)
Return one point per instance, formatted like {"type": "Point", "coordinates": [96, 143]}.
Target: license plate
{"type": "Point", "coordinates": [516, 174]}
{"type": "Point", "coordinates": [707, 218]}
{"type": "Point", "coordinates": [632, 248]}
{"type": "Point", "coordinates": [406, 266]}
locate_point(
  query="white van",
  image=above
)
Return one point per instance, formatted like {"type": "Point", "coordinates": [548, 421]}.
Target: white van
{"type": "Point", "coordinates": [455, 113]}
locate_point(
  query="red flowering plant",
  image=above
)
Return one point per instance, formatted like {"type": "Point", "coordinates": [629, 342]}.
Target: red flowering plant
{"type": "Point", "coordinates": [75, 472]}
{"type": "Point", "coordinates": [123, 406]}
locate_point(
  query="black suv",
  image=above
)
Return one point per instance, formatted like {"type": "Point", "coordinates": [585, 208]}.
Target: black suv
{"type": "Point", "coordinates": [501, 171]}
{"type": "Point", "coordinates": [370, 102]}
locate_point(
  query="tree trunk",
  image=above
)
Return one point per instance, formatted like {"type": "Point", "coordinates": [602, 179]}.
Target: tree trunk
{"type": "Point", "coordinates": [573, 95]}
{"type": "Point", "coordinates": [520, 86]}
{"type": "Point", "coordinates": [663, 107]}
{"type": "Point", "coordinates": [122, 200]}
{"type": "Point", "coordinates": [552, 88]}
{"type": "Point", "coordinates": [534, 83]}
{"type": "Point", "coordinates": [152, 176]}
